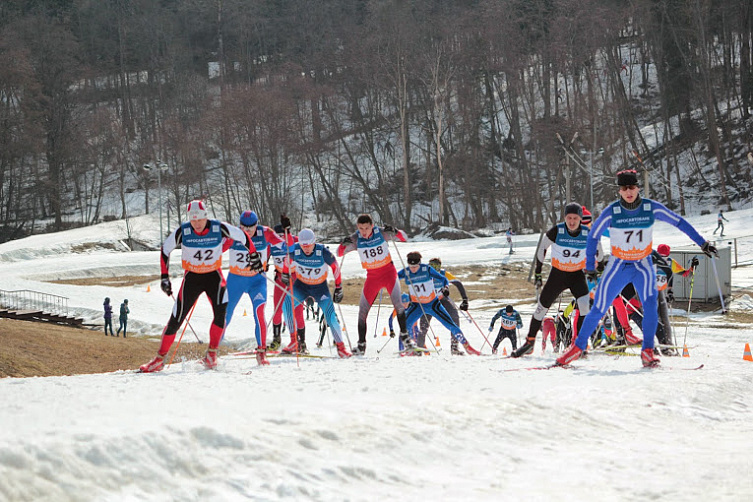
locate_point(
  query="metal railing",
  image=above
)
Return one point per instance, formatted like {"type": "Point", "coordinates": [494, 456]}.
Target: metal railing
{"type": "Point", "coordinates": [26, 299]}
{"type": "Point", "coordinates": [735, 243]}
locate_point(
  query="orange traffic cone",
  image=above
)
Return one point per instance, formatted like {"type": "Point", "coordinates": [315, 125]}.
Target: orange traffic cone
{"type": "Point", "coordinates": [685, 352]}
{"type": "Point", "coordinates": [148, 288]}
{"type": "Point", "coordinates": [746, 354]}
{"type": "Point", "coordinates": [244, 313]}
{"type": "Point", "coordinates": [384, 332]}
{"type": "Point", "coordinates": [504, 351]}
{"type": "Point", "coordinates": [436, 339]}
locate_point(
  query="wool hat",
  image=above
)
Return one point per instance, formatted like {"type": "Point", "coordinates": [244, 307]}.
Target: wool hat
{"type": "Point", "coordinates": [574, 208]}
{"type": "Point", "coordinates": [663, 250]}
{"type": "Point", "coordinates": [627, 177]}
{"type": "Point", "coordinates": [196, 210]}
{"type": "Point", "coordinates": [587, 217]}
{"type": "Point", "coordinates": [249, 219]}
{"type": "Point", "coordinates": [306, 237]}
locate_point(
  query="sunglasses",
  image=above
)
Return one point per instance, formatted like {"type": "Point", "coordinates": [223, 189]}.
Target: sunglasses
{"type": "Point", "coordinates": [624, 188]}
{"type": "Point", "coordinates": [414, 262]}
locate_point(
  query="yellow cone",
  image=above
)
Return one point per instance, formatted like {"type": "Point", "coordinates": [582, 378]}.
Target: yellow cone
{"type": "Point", "coordinates": [244, 313]}
{"type": "Point", "coordinates": [504, 351]}
{"type": "Point", "coordinates": [436, 339]}
{"type": "Point", "coordinates": [685, 352]}
{"type": "Point", "coordinates": [148, 288]}
{"type": "Point", "coordinates": [384, 332]}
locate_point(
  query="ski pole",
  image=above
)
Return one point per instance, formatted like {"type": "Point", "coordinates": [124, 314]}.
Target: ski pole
{"type": "Point", "coordinates": [379, 308]}
{"type": "Point", "coordinates": [468, 315]}
{"type": "Point", "coordinates": [190, 313]}
{"type": "Point", "coordinates": [188, 323]}
{"type": "Point", "coordinates": [690, 298]}
{"type": "Point", "coordinates": [718, 285]}
{"type": "Point", "coordinates": [340, 310]}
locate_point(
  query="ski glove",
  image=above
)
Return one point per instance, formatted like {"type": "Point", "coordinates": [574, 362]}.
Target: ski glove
{"type": "Point", "coordinates": [709, 249]}
{"type": "Point", "coordinates": [285, 222]}
{"type": "Point", "coordinates": [445, 291]}
{"type": "Point", "coordinates": [392, 333]}
{"type": "Point", "coordinates": [537, 280]}
{"type": "Point", "coordinates": [337, 296]}
{"type": "Point", "coordinates": [389, 228]}
{"type": "Point", "coordinates": [670, 296]}
{"type": "Point", "coordinates": [166, 286]}
{"type": "Point", "coordinates": [254, 262]}
{"type": "Point", "coordinates": [346, 240]}
{"type": "Point", "coordinates": [694, 262]}
{"type": "Point", "coordinates": [591, 275]}
{"type": "Point", "coordinates": [464, 304]}
{"type": "Point", "coordinates": [285, 278]}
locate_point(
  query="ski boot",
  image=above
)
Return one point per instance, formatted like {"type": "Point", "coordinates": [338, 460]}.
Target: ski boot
{"type": "Point", "coordinates": [525, 349]}
{"type": "Point", "coordinates": [261, 356]}
{"type": "Point", "coordinates": [408, 342]}
{"type": "Point", "coordinates": [649, 359]}
{"type": "Point", "coordinates": [156, 364]}
{"type": "Point", "coordinates": [342, 351]}
{"type": "Point", "coordinates": [360, 349]}
{"type": "Point", "coordinates": [292, 347]}
{"type": "Point", "coordinates": [210, 360]}
{"type": "Point", "coordinates": [571, 354]}
{"type": "Point", "coordinates": [454, 349]}
{"type": "Point", "coordinates": [276, 340]}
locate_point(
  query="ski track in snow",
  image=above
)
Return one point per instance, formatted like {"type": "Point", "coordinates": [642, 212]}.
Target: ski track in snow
{"type": "Point", "coordinates": [380, 427]}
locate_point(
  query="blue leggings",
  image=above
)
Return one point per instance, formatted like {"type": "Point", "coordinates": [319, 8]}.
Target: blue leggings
{"type": "Point", "coordinates": [320, 294]}
{"type": "Point", "coordinates": [256, 288]}
{"type": "Point", "coordinates": [433, 309]}
{"type": "Point", "coordinates": [616, 276]}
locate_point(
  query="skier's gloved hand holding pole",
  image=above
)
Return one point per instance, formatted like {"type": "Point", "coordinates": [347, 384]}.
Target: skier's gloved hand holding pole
{"type": "Point", "coordinates": [337, 296]}
{"type": "Point", "coordinates": [537, 281]}
{"type": "Point", "coordinates": [591, 275]}
{"type": "Point", "coordinates": [709, 250]}
{"type": "Point", "coordinates": [166, 286]}
{"type": "Point", "coordinates": [464, 305]}
{"type": "Point", "coordinates": [254, 262]}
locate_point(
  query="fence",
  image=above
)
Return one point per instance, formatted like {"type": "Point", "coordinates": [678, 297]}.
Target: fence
{"type": "Point", "coordinates": [736, 244]}
{"type": "Point", "coordinates": [26, 299]}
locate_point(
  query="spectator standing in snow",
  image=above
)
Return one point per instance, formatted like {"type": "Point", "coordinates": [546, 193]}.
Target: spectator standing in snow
{"type": "Point", "coordinates": [720, 219]}
{"type": "Point", "coordinates": [508, 235]}
{"type": "Point", "coordinates": [108, 316]}
{"type": "Point", "coordinates": [124, 311]}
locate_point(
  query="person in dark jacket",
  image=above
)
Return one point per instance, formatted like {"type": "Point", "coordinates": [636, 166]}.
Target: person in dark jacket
{"type": "Point", "coordinates": [108, 316]}
{"type": "Point", "coordinates": [124, 311]}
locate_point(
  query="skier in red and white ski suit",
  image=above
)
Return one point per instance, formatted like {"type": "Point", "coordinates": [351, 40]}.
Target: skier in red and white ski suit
{"type": "Point", "coordinates": [372, 245]}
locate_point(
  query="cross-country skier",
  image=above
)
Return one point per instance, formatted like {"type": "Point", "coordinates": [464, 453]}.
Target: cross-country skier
{"type": "Point", "coordinates": [372, 245]}
{"type": "Point", "coordinates": [310, 261]}
{"type": "Point", "coordinates": [568, 242]}
{"type": "Point", "coordinates": [448, 305]}
{"type": "Point", "coordinates": [630, 221]}
{"type": "Point", "coordinates": [421, 280]}
{"type": "Point", "coordinates": [201, 240]}
{"type": "Point", "coordinates": [282, 304]}
{"type": "Point", "coordinates": [242, 279]}
{"type": "Point", "coordinates": [509, 322]}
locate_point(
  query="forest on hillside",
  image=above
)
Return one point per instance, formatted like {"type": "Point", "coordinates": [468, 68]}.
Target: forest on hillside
{"type": "Point", "coordinates": [473, 114]}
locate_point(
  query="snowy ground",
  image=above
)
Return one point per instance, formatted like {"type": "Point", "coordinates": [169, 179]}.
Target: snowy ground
{"type": "Point", "coordinates": [375, 428]}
